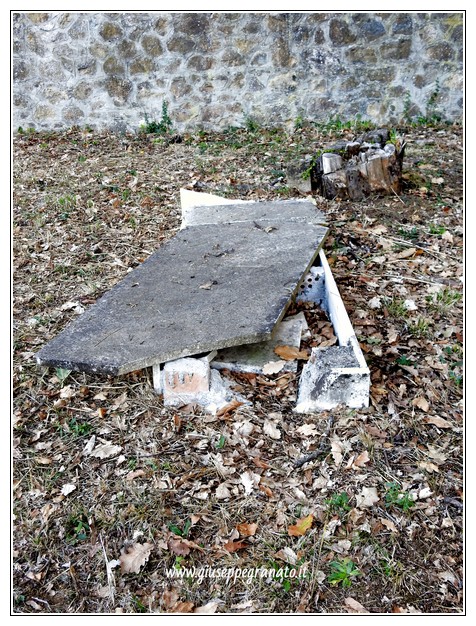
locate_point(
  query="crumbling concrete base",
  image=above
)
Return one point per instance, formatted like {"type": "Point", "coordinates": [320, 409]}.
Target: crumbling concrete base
{"type": "Point", "coordinates": [332, 376]}
{"type": "Point", "coordinates": [191, 381]}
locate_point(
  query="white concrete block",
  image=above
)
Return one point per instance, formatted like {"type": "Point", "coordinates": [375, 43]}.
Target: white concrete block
{"type": "Point", "coordinates": [191, 381]}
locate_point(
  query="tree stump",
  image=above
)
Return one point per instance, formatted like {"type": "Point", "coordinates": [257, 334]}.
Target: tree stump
{"type": "Point", "coordinates": [353, 169]}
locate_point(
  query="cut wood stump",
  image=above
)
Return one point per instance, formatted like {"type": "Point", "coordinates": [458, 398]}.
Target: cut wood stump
{"type": "Point", "coordinates": [352, 169]}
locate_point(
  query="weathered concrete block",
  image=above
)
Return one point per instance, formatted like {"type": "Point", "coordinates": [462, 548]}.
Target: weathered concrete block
{"type": "Point", "coordinates": [332, 377]}
{"type": "Point", "coordinates": [186, 377]}
{"type": "Point", "coordinates": [190, 381]}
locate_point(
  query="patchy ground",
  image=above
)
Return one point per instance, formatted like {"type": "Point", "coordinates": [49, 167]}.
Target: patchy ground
{"type": "Point", "coordinates": [111, 490]}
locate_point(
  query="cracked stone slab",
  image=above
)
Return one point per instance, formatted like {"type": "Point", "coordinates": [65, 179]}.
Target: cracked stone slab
{"type": "Point", "coordinates": [208, 287]}
{"type": "Point", "coordinates": [265, 213]}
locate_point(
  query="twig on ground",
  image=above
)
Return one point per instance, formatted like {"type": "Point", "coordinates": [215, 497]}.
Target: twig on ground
{"type": "Point", "coordinates": [322, 448]}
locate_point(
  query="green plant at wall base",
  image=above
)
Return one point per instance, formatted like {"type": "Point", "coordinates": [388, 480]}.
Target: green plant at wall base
{"type": "Point", "coordinates": [342, 572]}
{"type": "Point", "coordinates": [251, 125]}
{"type": "Point", "coordinates": [163, 127]}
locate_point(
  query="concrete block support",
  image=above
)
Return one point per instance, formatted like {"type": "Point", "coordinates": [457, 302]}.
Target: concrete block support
{"type": "Point", "coordinates": [191, 381]}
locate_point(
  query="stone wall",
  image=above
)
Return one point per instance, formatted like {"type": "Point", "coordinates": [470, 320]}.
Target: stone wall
{"type": "Point", "coordinates": [219, 69]}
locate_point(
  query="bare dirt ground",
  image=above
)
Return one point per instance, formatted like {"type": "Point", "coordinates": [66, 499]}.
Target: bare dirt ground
{"type": "Point", "coordinates": [112, 492]}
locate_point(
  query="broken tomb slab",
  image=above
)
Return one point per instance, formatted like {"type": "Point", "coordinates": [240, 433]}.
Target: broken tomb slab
{"type": "Point", "coordinates": [208, 287]}
{"type": "Point", "coordinates": [265, 213]}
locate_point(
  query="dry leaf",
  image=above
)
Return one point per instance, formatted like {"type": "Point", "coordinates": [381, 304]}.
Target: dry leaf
{"type": "Point", "coordinates": [177, 546]}
{"type": "Point", "coordinates": [266, 490]}
{"type": "Point", "coordinates": [301, 526]}
{"type": "Point", "coordinates": [120, 400]}
{"type": "Point", "coordinates": [287, 555]}
{"type": "Point", "coordinates": [269, 428]}
{"type": "Point", "coordinates": [233, 546]}
{"type": "Point", "coordinates": [388, 524]}
{"type": "Point", "coordinates": [290, 353]}
{"type": "Point", "coordinates": [88, 448]}
{"type": "Point", "coordinates": [183, 607]}
{"type": "Point", "coordinates": [209, 607]}
{"type": "Point", "coordinates": [429, 467]}
{"type": "Point", "coordinates": [222, 492]}
{"type": "Point", "coordinates": [105, 450]}
{"type": "Point", "coordinates": [135, 474]}
{"type": "Point", "coordinates": [406, 254]}
{"type": "Point", "coordinates": [424, 493]}
{"type": "Point", "coordinates": [354, 606]}
{"type": "Point", "coordinates": [169, 598]}
{"type": "Point", "coordinates": [307, 430]}
{"type": "Point", "coordinates": [249, 481]}
{"type": "Point", "coordinates": [260, 463]}
{"type": "Point", "coordinates": [367, 497]}
{"type": "Point", "coordinates": [67, 489]}
{"type": "Point", "coordinates": [392, 335]}
{"type": "Point", "coordinates": [421, 403]}
{"type": "Point", "coordinates": [438, 421]}
{"type": "Point", "coordinates": [247, 530]}
{"type": "Point", "coordinates": [436, 454]}
{"type": "Point", "coordinates": [228, 408]}
{"type": "Point", "coordinates": [336, 450]}
{"type": "Point", "coordinates": [273, 367]}
{"type": "Point", "coordinates": [134, 557]}
{"type": "Point", "coordinates": [43, 460]}
{"type": "Point", "coordinates": [361, 460]}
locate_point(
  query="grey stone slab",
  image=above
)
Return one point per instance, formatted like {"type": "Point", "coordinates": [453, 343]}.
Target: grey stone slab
{"type": "Point", "coordinates": [253, 357]}
{"type": "Point", "coordinates": [208, 287]}
{"type": "Point", "coordinates": [267, 213]}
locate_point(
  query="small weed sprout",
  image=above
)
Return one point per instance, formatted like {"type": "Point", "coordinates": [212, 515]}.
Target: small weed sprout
{"type": "Point", "coordinates": [420, 328]}
{"type": "Point", "coordinates": [396, 308]}
{"type": "Point", "coordinates": [339, 504]}
{"type": "Point", "coordinates": [342, 572]}
{"type": "Point", "coordinates": [397, 498]}
{"type": "Point", "coordinates": [62, 374]}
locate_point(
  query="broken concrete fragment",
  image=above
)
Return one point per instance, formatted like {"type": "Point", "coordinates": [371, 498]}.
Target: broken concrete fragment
{"type": "Point", "coordinates": [332, 377]}
{"type": "Point", "coordinates": [264, 214]}
{"type": "Point", "coordinates": [190, 381]}
{"type": "Point", "coordinates": [253, 357]}
{"type": "Point", "coordinates": [338, 374]}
